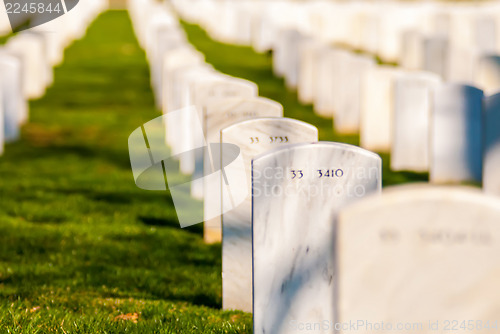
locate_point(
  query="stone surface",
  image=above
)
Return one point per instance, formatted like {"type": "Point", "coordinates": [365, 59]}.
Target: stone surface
{"type": "Point", "coordinates": [204, 92]}
{"type": "Point", "coordinates": [377, 108]}
{"type": "Point", "coordinates": [253, 137]}
{"type": "Point", "coordinates": [218, 115]}
{"type": "Point", "coordinates": [330, 66]}
{"type": "Point", "coordinates": [462, 64]}
{"type": "Point", "coordinates": [412, 103]}
{"type": "Point", "coordinates": [456, 134]}
{"type": "Point", "coordinates": [419, 255]}
{"type": "Point", "coordinates": [35, 66]}
{"type": "Point", "coordinates": [412, 50]}
{"type": "Point", "coordinates": [491, 162]}
{"type": "Point", "coordinates": [308, 69]}
{"type": "Point", "coordinates": [435, 55]}
{"type": "Point", "coordinates": [14, 105]}
{"type": "Point", "coordinates": [294, 213]}
{"type": "Point", "coordinates": [488, 74]}
{"type": "Point", "coordinates": [348, 94]}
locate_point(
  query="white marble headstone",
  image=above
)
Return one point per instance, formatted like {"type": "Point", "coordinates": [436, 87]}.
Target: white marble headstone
{"type": "Point", "coordinates": [331, 63]}
{"type": "Point", "coordinates": [462, 64]}
{"type": "Point", "coordinates": [204, 92]}
{"type": "Point", "coordinates": [377, 108]}
{"type": "Point", "coordinates": [175, 59]}
{"type": "Point", "coordinates": [456, 134]}
{"type": "Point", "coordinates": [491, 162]}
{"type": "Point", "coordinates": [488, 74]}
{"type": "Point", "coordinates": [348, 93]}
{"type": "Point", "coordinates": [253, 137]}
{"type": "Point", "coordinates": [412, 50]}
{"type": "Point", "coordinates": [412, 103]}
{"type": "Point", "coordinates": [31, 48]}
{"type": "Point", "coordinates": [308, 70]}
{"type": "Point", "coordinates": [298, 191]}
{"type": "Point", "coordinates": [218, 115]}
{"type": "Point", "coordinates": [436, 55]}
{"type": "Point", "coordinates": [15, 106]}
{"type": "Point", "coordinates": [421, 257]}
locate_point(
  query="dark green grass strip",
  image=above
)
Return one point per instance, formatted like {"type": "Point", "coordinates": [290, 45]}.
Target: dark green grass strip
{"type": "Point", "coordinates": [245, 63]}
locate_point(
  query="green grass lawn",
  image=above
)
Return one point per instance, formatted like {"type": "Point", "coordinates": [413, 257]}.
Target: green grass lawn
{"type": "Point", "coordinates": [82, 249]}
{"type": "Point", "coordinates": [80, 244]}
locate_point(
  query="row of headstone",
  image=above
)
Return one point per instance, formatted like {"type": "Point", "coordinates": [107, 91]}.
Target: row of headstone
{"type": "Point", "coordinates": [233, 116]}
{"type": "Point", "coordinates": [27, 60]}
{"type": "Point", "coordinates": [376, 28]}
{"type": "Point", "coordinates": [401, 110]}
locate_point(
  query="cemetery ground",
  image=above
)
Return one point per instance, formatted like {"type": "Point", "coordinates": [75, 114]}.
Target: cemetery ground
{"type": "Point", "coordinates": [82, 249]}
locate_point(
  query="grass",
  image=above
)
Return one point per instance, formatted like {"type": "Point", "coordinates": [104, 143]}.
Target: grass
{"type": "Point", "coordinates": [82, 249]}
{"type": "Point", "coordinates": [245, 63]}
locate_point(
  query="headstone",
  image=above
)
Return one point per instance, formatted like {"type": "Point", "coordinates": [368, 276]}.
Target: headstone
{"type": "Point", "coordinates": [346, 116]}
{"type": "Point", "coordinates": [2, 130]}
{"type": "Point", "coordinates": [412, 50]}
{"type": "Point", "coordinates": [203, 93]}
{"type": "Point", "coordinates": [14, 105]}
{"type": "Point", "coordinates": [491, 162]}
{"type": "Point", "coordinates": [435, 55]}
{"type": "Point", "coordinates": [488, 74]}
{"type": "Point", "coordinates": [166, 40]}
{"type": "Point", "coordinates": [217, 116]}
{"type": "Point", "coordinates": [177, 132]}
{"type": "Point", "coordinates": [297, 192]}
{"type": "Point", "coordinates": [412, 103]}
{"type": "Point", "coordinates": [34, 63]}
{"type": "Point", "coordinates": [292, 40]}
{"type": "Point", "coordinates": [286, 56]}
{"type": "Point", "coordinates": [486, 33]}
{"type": "Point", "coordinates": [253, 137]}
{"type": "Point", "coordinates": [180, 57]}
{"type": "Point", "coordinates": [456, 134]}
{"type": "Point", "coordinates": [377, 108]}
{"type": "Point", "coordinates": [308, 70]}
{"type": "Point", "coordinates": [419, 259]}
{"type": "Point", "coordinates": [462, 65]}
{"type": "Point", "coordinates": [331, 64]}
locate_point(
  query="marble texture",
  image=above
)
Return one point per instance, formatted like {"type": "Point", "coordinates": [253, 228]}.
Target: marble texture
{"type": "Point", "coordinates": [203, 93]}
{"type": "Point", "coordinates": [331, 64]}
{"type": "Point", "coordinates": [419, 254]}
{"type": "Point", "coordinates": [377, 108]}
{"type": "Point", "coordinates": [435, 55]}
{"type": "Point", "coordinates": [14, 104]}
{"type": "Point", "coordinates": [456, 134]}
{"type": "Point", "coordinates": [179, 57]}
{"type": "Point", "coordinates": [35, 64]}
{"type": "Point", "coordinates": [412, 50]}
{"type": "Point", "coordinates": [491, 161]}
{"type": "Point", "coordinates": [218, 115]}
{"type": "Point", "coordinates": [294, 213]}
{"type": "Point", "coordinates": [177, 133]}
{"type": "Point", "coordinates": [488, 74]}
{"type": "Point", "coordinates": [462, 64]}
{"type": "Point", "coordinates": [412, 103]}
{"type": "Point", "coordinates": [347, 112]}
{"type": "Point", "coordinates": [286, 56]}
{"type": "Point", "coordinates": [308, 70]}
{"type": "Point", "coordinates": [166, 38]}
{"type": "Point", "coordinates": [253, 137]}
